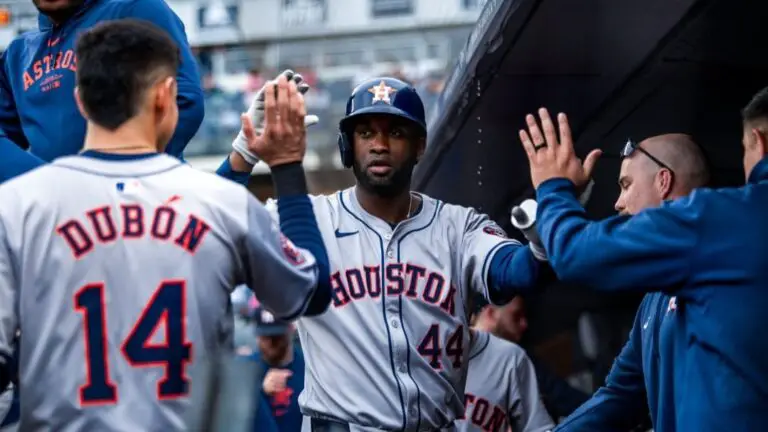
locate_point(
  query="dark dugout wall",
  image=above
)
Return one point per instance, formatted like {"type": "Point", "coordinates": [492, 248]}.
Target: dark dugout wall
{"type": "Point", "coordinates": [619, 68]}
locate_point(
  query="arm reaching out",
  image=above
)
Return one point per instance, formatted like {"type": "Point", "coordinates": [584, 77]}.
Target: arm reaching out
{"type": "Point", "coordinates": [239, 163]}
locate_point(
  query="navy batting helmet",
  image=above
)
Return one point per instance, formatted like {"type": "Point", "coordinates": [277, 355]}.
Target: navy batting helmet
{"type": "Point", "coordinates": [387, 96]}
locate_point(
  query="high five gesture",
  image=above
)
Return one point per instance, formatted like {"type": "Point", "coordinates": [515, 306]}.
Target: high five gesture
{"type": "Point", "coordinates": [552, 155]}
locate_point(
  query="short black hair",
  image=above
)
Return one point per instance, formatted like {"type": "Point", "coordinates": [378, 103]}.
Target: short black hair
{"type": "Point", "coordinates": [757, 108]}
{"type": "Point", "coordinates": [117, 62]}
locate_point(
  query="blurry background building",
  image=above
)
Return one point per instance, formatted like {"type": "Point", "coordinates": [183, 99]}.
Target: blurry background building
{"type": "Point", "coordinates": [333, 43]}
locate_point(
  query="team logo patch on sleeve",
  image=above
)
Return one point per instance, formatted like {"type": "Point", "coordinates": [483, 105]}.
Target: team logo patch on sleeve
{"type": "Point", "coordinates": [495, 231]}
{"type": "Point", "coordinates": [291, 252]}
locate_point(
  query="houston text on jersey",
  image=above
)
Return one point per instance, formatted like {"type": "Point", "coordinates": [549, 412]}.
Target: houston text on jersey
{"type": "Point", "coordinates": [483, 413]}
{"type": "Point", "coordinates": [412, 281]}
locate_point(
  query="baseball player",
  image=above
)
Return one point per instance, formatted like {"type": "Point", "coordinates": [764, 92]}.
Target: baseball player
{"type": "Point", "coordinates": [391, 351]}
{"type": "Point", "coordinates": [117, 264]}
{"type": "Point", "coordinates": [502, 390]}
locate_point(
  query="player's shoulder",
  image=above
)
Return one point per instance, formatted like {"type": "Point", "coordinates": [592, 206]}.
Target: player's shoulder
{"type": "Point", "coordinates": [271, 203]}
{"type": "Point", "coordinates": [210, 184]}
{"type": "Point", "coordinates": [331, 204]}
{"type": "Point", "coordinates": [457, 211]}
{"type": "Point", "coordinates": [321, 204]}
{"type": "Point", "coordinates": [124, 8]}
{"type": "Point", "coordinates": [702, 204]}
{"type": "Point", "coordinates": [36, 176]}
{"type": "Point", "coordinates": [13, 54]}
{"type": "Point", "coordinates": [502, 348]}
{"type": "Point", "coordinates": [468, 219]}
{"type": "Point", "coordinates": [28, 189]}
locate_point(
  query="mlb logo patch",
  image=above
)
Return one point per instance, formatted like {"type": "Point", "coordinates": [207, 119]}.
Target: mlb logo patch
{"type": "Point", "coordinates": [290, 251]}
{"type": "Point", "coordinates": [129, 186]}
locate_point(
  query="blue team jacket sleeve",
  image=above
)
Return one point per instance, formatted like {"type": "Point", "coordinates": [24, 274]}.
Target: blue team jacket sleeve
{"type": "Point", "coordinates": [513, 271]}
{"type": "Point", "coordinates": [651, 251]}
{"type": "Point", "coordinates": [14, 160]}
{"type": "Point", "coordinates": [190, 98]}
{"type": "Point", "coordinates": [621, 404]}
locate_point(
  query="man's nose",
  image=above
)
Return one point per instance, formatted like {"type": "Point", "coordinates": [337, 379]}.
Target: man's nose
{"type": "Point", "coordinates": [619, 206]}
{"type": "Point", "coordinates": [380, 143]}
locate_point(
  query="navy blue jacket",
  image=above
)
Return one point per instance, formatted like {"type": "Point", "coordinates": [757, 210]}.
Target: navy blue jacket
{"type": "Point", "coordinates": [710, 251]}
{"type": "Point", "coordinates": [281, 412]}
{"type": "Point", "coordinates": [640, 377]}
{"type": "Point", "coordinates": [37, 80]}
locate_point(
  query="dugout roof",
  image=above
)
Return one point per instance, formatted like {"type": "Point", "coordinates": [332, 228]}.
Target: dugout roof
{"type": "Point", "coordinates": [619, 68]}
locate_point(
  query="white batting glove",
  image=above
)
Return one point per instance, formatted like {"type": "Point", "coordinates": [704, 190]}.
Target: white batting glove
{"type": "Point", "coordinates": [524, 219]}
{"type": "Point", "coordinates": [256, 115]}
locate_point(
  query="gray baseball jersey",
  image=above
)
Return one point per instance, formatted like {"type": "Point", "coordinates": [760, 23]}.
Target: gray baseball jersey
{"type": "Point", "coordinates": [391, 350]}
{"type": "Point", "coordinates": [502, 390]}
{"type": "Point", "coordinates": [118, 273]}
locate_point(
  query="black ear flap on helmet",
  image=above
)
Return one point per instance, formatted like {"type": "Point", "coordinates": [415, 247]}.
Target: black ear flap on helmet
{"type": "Point", "coordinates": [345, 150]}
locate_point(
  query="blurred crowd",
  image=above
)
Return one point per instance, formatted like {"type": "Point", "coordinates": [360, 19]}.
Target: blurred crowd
{"type": "Point", "coordinates": [223, 105]}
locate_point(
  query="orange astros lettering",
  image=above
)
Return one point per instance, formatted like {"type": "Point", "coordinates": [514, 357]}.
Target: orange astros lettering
{"type": "Point", "coordinates": [100, 227]}
{"type": "Point", "coordinates": [47, 65]}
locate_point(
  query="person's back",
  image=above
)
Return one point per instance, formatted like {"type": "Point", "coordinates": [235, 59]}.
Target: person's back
{"type": "Point", "coordinates": [124, 278]}
{"type": "Point", "coordinates": [117, 265]}
{"type": "Point", "coordinates": [728, 280]}
{"type": "Point", "coordinates": [502, 391]}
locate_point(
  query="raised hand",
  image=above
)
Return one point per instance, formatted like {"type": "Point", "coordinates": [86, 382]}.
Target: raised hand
{"type": "Point", "coordinates": [551, 155]}
{"type": "Point", "coordinates": [255, 114]}
{"type": "Point", "coordinates": [284, 136]}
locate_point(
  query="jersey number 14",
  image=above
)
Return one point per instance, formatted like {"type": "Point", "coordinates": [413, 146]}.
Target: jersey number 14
{"type": "Point", "coordinates": [165, 310]}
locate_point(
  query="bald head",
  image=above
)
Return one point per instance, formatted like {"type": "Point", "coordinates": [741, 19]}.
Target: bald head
{"type": "Point", "coordinates": [684, 156]}
{"type": "Point", "coordinates": [643, 183]}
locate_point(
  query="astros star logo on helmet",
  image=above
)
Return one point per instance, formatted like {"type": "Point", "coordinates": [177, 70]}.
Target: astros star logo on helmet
{"type": "Point", "coordinates": [381, 92]}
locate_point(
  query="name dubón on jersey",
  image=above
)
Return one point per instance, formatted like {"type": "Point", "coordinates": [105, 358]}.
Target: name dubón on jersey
{"type": "Point", "coordinates": [102, 228]}
{"type": "Point", "coordinates": [410, 280]}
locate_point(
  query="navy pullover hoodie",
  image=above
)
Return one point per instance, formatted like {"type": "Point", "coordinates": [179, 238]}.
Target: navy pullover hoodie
{"type": "Point", "coordinates": [37, 81]}
{"type": "Point", "coordinates": [710, 252]}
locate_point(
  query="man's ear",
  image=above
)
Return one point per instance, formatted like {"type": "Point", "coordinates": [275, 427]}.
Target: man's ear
{"type": "Point", "coordinates": [165, 94]}
{"type": "Point", "coordinates": [79, 103]}
{"type": "Point", "coordinates": [760, 140]}
{"type": "Point", "coordinates": [491, 312]}
{"type": "Point", "coordinates": [664, 182]}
